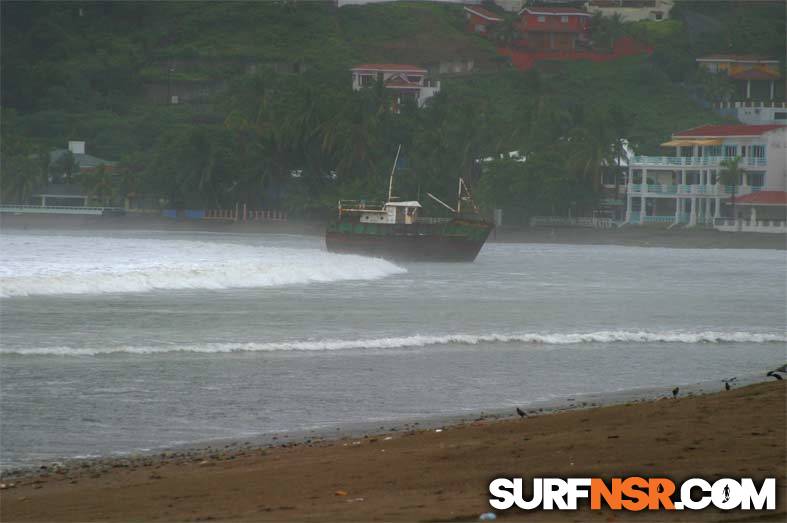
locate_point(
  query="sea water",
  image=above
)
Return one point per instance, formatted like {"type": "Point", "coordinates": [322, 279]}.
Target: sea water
{"type": "Point", "coordinates": [112, 342]}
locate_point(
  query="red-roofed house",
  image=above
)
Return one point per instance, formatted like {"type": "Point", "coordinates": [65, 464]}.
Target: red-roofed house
{"type": "Point", "coordinates": [480, 20]}
{"type": "Point", "coordinates": [685, 188]}
{"type": "Point", "coordinates": [404, 81]}
{"type": "Point", "coordinates": [553, 28]}
{"type": "Point", "coordinates": [763, 211]}
{"type": "Point", "coordinates": [755, 76]}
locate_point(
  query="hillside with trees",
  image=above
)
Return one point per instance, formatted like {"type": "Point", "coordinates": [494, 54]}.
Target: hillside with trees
{"type": "Point", "coordinates": [268, 116]}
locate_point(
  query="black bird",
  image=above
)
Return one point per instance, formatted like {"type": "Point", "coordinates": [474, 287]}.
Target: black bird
{"type": "Point", "coordinates": [675, 392]}
{"type": "Point", "coordinates": [520, 412]}
{"type": "Point", "coordinates": [727, 385]}
{"type": "Point", "coordinates": [774, 374]}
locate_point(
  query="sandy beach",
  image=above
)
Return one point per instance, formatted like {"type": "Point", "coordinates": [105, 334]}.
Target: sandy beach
{"type": "Point", "coordinates": [629, 235]}
{"type": "Point", "coordinates": [416, 474]}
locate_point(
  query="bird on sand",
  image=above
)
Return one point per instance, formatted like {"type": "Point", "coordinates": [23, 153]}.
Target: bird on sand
{"type": "Point", "coordinates": [675, 392]}
{"type": "Point", "coordinates": [774, 374]}
{"type": "Point", "coordinates": [520, 412]}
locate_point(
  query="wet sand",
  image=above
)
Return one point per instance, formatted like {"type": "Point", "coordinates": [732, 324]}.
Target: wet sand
{"type": "Point", "coordinates": [695, 238]}
{"type": "Point", "coordinates": [417, 474]}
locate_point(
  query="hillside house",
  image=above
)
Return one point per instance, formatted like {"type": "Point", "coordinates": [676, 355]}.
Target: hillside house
{"type": "Point", "coordinates": [632, 10]}
{"type": "Point", "coordinates": [480, 20]}
{"type": "Point", "coordinates": [61, 189]}
{"type": "Point", "coordinates": [553, 28]}
{"type": "Point", "coordinates": [86, 162]}
{"type": "Point", "coordinates": [755, 77]}
{"type": "Point", "coordinates": [512, 6]}
{"type": "Point", "coordinates": [404, 82]}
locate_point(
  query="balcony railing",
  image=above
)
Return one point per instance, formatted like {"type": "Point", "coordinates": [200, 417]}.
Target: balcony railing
{"type": "Point", "coordinates": [657, 219]}
{"type": "Point", "coordinates": [762, 226]}
{"type": "Point", "coordinates": [708, 190]}
{"type": "Point", "coordinates": [693, 161]}
{"type": "Point", "coordinates": [60, 209]}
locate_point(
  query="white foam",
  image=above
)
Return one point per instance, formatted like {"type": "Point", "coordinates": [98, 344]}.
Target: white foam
{"type": "Point", "coordinates": [48, 265]}
{"type": "Point", "coordinates": [618, 336]}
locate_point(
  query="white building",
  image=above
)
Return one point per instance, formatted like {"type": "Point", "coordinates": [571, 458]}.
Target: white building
{"type": "Point", "coordinates": [685, 188]}
{"type": "Point", "coordinates": [754, 112]}
{"type": "Point", "coordinates": [632, 10]}
{"type": "Point", "coordinates": [512, 6]}
{"type": "Point", "coordinates": [405, 81]}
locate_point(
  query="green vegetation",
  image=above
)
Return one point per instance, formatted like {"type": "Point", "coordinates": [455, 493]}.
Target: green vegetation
{"type": "Point", "coordinates": [269, 118]}
{"type": "Point", "coordinates": [731, 175]}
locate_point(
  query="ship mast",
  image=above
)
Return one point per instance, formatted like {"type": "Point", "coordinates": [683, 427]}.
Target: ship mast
{"type": "Point", "coordinates": [459, 198]}
{"type": "Point", "coordinates": [393, 169]}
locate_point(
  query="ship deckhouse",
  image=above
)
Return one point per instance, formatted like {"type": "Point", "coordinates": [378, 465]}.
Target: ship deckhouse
{"type": "Point", "coordinates": [390, 213]}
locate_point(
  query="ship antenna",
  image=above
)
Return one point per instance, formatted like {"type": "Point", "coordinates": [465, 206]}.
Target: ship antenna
{"type": "Point", "coordinates": [393, 169]}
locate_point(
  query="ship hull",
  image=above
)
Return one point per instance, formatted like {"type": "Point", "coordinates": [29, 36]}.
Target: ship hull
{"type": "Point", "coordinates": [454, 241]}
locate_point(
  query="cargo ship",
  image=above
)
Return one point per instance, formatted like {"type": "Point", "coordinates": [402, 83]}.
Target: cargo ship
{"type": "Point", "coordinates": [394, 230]}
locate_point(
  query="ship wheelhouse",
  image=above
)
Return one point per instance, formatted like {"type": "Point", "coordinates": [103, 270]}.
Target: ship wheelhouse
{"type": "Point", "coordinates": [390, 213]}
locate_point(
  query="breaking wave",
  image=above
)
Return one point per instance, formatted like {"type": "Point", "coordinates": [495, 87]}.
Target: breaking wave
{"type": "Point", "coordinates": [50, 265]}
{"type": "Point", "coordinates": [423, 341]}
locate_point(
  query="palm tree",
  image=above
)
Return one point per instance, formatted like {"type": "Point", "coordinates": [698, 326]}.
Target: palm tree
{"type": "Point", "coordinates": [65, 165]}
{"type": "Point", "coordinates": [730, 174]}
{"type": "Point", "coordinates": [98, 184]}
{"type": "Point", "coordinates": [19, 177]}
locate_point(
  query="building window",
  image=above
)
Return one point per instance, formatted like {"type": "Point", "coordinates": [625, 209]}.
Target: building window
{"type": "Point", "coordinates": [564, 19]}
{"type": "Point", "coordinates": [758, 151]}
{"type": "Point", "coordinates": [780, 116]}
{"type": "Point", "coordinates": [713, 150]}
{"type": "Point", "coordinates": [367, 80]}
{"type": "Point", "coordinates": [757, 179]}
{"type": "Point", "coordinates": [731, 150]}
{"type": "Point", "coordinates": [414, 79]}
{"type": "Point", "coordinates": [542, 19]}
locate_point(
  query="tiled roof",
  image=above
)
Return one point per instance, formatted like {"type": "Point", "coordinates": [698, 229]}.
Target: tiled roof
{"type": "Point", "coordinates": [729, 130]}
{"type": "Point", "coordinates": [483, 13]}
{"type": "Point", "coordinates": [85, 161]}
{"type": "Point", "coordinates": [390, 67]}
{"type": "Point", "coordinates": [763, 198]}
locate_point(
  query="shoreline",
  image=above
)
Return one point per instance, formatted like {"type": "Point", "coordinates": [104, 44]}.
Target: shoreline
{"type": "Point", "coordinates": [632, 236]}
{"type": "Point", "coordinates": [377, 428]}
{"type": "Point", "coordinates": [432, 471]}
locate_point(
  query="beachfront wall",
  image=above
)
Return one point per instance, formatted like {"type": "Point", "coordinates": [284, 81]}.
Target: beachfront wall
{"type": "Point", "coordinates": [685, 188]}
